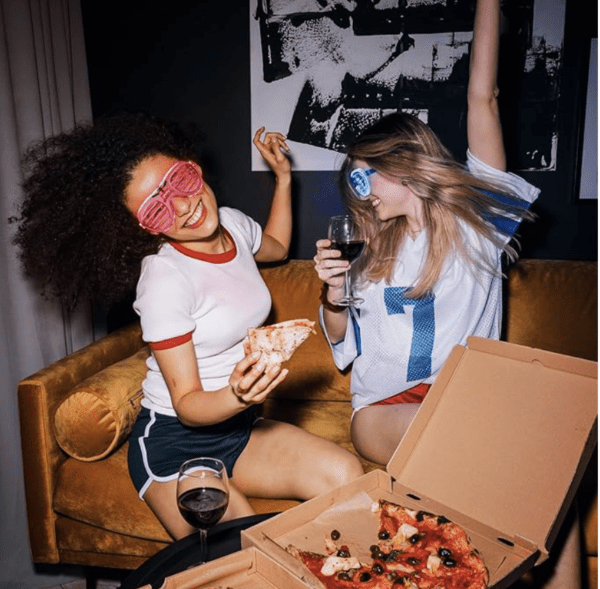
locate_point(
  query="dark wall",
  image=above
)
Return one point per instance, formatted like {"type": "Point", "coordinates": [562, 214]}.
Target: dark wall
{"type": "Point", "coordinates": [189, 61]}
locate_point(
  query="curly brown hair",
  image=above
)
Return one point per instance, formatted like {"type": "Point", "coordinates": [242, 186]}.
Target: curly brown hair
{"type": "Point", "coordinates": [74, 233]}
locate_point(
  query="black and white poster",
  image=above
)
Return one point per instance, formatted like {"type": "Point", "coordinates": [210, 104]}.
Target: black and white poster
{"type": "Point", "coordinates": [323, 70]}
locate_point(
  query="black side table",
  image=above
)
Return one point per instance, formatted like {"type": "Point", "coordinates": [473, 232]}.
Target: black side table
{"type": "Point", "coordinates": [223, 539]}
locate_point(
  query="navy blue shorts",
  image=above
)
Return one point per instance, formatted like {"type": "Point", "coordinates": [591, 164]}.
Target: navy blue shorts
{"type": "Point", "coordinates": [160, 444]}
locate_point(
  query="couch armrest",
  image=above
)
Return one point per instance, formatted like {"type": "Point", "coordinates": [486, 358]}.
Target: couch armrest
{"type": "Point", "coordinates": [39, 396]}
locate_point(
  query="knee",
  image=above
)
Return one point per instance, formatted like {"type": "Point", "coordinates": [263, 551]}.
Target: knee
{"type": "Point", "coordinates": [239, 505]}
{"type": "Point", "coordinates": [378, 452]}
{"type": "Point", "coordinates": [376, 432]}
{"type": "Point", "coordinates": [161, 498]}
{"type": "Point", "coordinates": [342, 471]}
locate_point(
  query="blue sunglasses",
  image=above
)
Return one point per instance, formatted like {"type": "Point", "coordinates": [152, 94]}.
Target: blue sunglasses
{"type": "Point", "coordinates": [358, 179]}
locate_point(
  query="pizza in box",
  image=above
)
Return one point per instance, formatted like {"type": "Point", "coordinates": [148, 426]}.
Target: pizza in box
{"type": "Point", "coordinates": [413, 550]}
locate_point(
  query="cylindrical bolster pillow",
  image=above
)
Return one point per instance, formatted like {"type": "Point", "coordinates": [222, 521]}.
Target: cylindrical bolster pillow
{"type": "Point", "coordinates": [99, 413]}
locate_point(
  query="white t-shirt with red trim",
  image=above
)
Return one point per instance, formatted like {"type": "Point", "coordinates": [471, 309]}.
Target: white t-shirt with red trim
{"type": "Point", "coordinates": [212, 299]}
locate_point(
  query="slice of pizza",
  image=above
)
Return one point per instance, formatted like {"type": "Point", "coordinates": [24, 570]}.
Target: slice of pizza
{"type": "Point", "coordinates": [436, 551]}
{"type": "Point", "coordinates": [278, 342]}
{"type": "Point", "coordinates": [343, 571]}
{"type": "Point", "coordinates": [414, 550]}
{"type": "Point", "coordinates": [334, 570]}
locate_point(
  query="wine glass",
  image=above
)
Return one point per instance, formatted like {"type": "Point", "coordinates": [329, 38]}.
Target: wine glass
{"type": "Point", "coordinates": [202, 495]}
{"type": "Point", "coordinates": [342, 234]}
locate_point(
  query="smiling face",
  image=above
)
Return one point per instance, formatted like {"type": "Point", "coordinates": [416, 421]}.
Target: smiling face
{"type": "Point", "coordinates": [392, 198]}
{"type": "Point", "coordinates": [196, 217]}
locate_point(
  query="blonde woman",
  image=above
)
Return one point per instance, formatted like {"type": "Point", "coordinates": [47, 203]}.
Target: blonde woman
{"type": "Point", "coordinates": [436, 231]}
{"type": "Point", "coordinates": [431, 273]}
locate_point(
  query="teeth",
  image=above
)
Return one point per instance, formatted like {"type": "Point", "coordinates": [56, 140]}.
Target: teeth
{"type": "Point", "coordinates": [196, 216]}
{"type": "Point", "coordinates": [376, 202]}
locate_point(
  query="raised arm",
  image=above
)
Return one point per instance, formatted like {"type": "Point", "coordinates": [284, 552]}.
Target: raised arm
{"type": "Point", "coordinates": [277, 234]}
{"type": "Point", "coordinates": [484, 130]}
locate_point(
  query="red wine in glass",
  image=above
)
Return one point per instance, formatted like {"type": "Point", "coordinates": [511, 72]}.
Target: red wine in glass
{"type": "Point", "coordinates": [351, 250]}
{"type": "Point", "coordinates": [203, 508]}
{"type": "Point", "coordinates": [342, 234]}
{"type": "Point", "coordinates": [202, 495]}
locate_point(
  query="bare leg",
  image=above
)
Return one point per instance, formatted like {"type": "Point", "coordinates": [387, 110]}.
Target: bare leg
{"type": "Point", "coordinates": [378, 429]}
{"type": "Point", "coordinates": [284, 461]}
{"type": "Point", "coordinates": [162, 500]}
{"type": "Point", "coordinates": [279, 461]}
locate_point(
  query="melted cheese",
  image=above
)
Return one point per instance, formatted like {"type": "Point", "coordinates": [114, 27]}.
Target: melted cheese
{"type": "Point", "coordinates": [433, 563]}
{"type": "Point", "coordinates": [407, 531]}
{"type": "Point", "coordinates": [336, 564]}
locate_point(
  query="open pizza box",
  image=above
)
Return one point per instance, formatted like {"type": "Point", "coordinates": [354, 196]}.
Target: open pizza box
{"type": "Point", "coordinates": [499, 446]}
{"type": "Point", "coordinates": [246, 569]}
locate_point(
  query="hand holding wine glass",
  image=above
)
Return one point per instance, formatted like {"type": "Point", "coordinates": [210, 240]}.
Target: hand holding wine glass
{"type": "Point", "coordinates": [342, 234]}
{"type": "Point", "coordinates": [202, 495]}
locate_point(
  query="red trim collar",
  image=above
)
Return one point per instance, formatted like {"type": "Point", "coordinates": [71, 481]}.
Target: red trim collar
{"type": "Point", "coordinates": [212, 258]}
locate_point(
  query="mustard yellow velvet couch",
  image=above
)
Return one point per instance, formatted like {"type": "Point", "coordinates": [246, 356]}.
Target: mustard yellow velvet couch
{"type": "Point", "coordinates": [76, 413]}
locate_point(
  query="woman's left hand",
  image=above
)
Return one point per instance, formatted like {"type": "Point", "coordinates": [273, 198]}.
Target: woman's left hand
{"type": "Point", "coordinates": [272, 149]}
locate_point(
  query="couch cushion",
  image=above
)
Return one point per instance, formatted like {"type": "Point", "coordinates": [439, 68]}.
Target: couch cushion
{"type": "Point", "coordinates": [296, 289]}
{"type": "Point", "coordinates": [97, 415]}
{"type": "Point", "coordinates": [553, 305]}
{"type": "Point", "coordinates": [82, 494]}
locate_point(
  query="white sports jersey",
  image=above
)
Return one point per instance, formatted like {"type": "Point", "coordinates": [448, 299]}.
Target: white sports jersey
{"type": "Point", "coordinates": [396, 342]}
{"type": "Point", "coordinates": [215, 297]}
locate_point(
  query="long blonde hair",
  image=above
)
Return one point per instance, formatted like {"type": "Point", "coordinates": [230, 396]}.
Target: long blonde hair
{"type": "Point", "coordinates": [405, 149]}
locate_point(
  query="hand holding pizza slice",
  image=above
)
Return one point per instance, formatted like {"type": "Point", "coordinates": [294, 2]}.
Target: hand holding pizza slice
{"type": "Point", "coordinates": [278, 342]}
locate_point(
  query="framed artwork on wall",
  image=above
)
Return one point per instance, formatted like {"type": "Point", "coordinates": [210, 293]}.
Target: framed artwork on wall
{"type": "Point", "coordinates": [323, 70]}
{"type": "Point", "coordinates": [587, 184]}
{"type": "Point", "coordinates": [578, 154]}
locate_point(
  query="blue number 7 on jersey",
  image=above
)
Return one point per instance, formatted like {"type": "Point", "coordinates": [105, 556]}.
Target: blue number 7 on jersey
{"type": "Point", "coordinates": [419, 363]}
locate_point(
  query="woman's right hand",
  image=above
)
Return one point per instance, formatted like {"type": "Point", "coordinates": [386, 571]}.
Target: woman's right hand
{"type": "Point", "coordinates": [328, 265]}
{"type": "Point", "coordinates": [331, 271]}
{"type": "Point", "coordinates": [249, 381]}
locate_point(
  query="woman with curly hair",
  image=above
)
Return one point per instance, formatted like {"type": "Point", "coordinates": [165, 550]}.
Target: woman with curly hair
{"type": "Point", "coordinates": [125, 201]}
{"type": "Point", "coordinates": [435, 232]}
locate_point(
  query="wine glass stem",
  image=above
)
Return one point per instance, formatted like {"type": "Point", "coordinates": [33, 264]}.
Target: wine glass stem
{"type": "Point", "coordinates": [203, 545]}
{"type": "Point", "coordinates": [347, 285]}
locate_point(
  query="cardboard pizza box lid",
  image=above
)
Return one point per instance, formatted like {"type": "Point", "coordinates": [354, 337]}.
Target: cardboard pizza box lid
{"type": "Point", "coordinates": [504, 436]}
{"type": "Point", "coordinates": [247, 569]}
